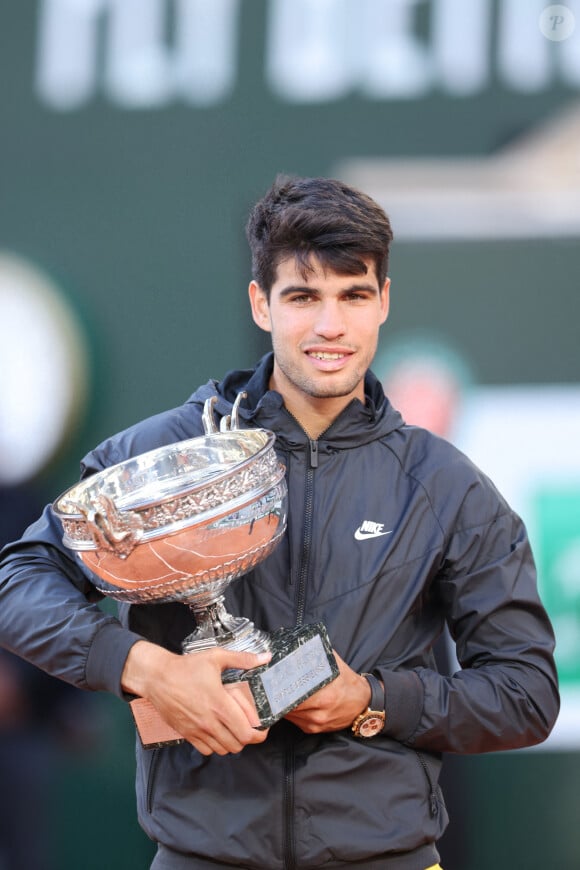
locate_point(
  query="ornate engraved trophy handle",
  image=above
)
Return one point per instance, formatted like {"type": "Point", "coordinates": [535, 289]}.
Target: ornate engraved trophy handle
{"type": "Point", "coordinates": [227, 423]}
{"type": "Point", "coordinates": [111, 530]}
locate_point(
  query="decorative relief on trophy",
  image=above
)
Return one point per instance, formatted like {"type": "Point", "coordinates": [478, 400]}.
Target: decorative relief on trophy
{"type": "Point", "coordinates": [180, 523]}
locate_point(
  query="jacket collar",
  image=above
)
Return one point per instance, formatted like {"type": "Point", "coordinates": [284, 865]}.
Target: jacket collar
{"type": "Point", "coordinates": [263, 407]}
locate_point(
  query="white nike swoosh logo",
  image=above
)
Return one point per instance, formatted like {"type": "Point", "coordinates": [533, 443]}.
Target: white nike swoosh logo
{"type": "Point", "coordinates": [362, 536]}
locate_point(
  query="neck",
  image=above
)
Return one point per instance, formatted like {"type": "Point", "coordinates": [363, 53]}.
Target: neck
{"type": "Point", "coordinates": [315, 415]}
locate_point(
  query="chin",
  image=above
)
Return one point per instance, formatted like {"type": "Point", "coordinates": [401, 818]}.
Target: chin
{"type": "Point", "coordinates": [332, 392]}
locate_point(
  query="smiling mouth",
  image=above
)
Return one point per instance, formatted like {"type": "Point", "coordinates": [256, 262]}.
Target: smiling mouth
{"type": "Point", "coordinates": [328, 356]}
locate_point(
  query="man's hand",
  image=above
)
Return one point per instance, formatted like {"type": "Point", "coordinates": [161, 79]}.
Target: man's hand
{"type": "Point", "coordinates": [188, 693]}
{"type": "Point", "coordinates": [336, 705]}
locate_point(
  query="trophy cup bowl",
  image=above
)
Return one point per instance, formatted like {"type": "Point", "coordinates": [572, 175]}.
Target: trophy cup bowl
{"type": "Point", "coordinates": [180, 523]}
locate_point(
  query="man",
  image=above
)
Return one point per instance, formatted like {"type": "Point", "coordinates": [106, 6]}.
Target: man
{"type": "Point", "coordinates": [391, 533]}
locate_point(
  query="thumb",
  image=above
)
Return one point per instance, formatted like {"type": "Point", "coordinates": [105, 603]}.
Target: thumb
{"type": "Point", "coordinates": [245, 661]}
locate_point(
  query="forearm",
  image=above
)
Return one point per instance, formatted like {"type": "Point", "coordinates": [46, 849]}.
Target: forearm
{"type": "Point", "coordinates": [505, 696]}
{"type": "Point", "coordinates": [487, 709]}
{"type": "Point", "coordinates": [49, 622]}
{"type": "Point", "coordinates": [481, 709]}
{"type": "Point", "coordinates": [47, 618]}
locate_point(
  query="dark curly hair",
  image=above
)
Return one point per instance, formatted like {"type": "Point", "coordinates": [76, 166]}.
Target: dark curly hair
{"type": "Point", "coordinates": [300, 217]}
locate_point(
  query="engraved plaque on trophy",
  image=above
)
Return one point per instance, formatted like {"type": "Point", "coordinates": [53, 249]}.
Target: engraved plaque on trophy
{"type": "Point", "coordinates": [180, 523]}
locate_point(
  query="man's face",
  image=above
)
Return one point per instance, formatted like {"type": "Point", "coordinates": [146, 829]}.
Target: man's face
{"type": "Point", "coordinates": [324, 330]}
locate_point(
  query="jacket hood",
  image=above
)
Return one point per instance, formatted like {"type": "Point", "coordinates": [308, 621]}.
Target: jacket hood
{"type": "Point", "coordinates": [263, 407]}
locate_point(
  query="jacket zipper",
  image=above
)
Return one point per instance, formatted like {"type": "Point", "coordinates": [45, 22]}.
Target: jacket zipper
{"type": "Point", "coordinates": [433, 802]}
{"type": "Point", "coordinates": [307, 544]}
{"type": "Point", "coordinates": [289, 848]}
{"type": "Point", "coordinates": [290, 854]}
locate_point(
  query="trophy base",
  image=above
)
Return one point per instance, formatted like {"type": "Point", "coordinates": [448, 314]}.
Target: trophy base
{"type": "Point", "coordinates": [153, 730]}
{"type": "Point", "coordinates": [302, 663]}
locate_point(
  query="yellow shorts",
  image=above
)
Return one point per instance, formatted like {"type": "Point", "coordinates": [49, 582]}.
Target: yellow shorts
{"type": "Point", "coordinates": [435, 867]}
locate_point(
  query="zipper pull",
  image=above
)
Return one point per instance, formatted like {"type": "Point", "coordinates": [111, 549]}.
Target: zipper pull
{"type": "Point", "coordinates": [313, 454]}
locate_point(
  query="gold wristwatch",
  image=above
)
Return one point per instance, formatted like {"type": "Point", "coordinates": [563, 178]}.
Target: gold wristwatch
{"type": "Point", "coordinates": [371, 721]}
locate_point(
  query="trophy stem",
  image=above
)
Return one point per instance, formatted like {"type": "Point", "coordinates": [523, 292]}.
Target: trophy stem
{"type": "Point", "coordinates": [217, 627]}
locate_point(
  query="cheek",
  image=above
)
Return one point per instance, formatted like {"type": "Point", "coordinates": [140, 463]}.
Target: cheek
{"type": "Point", "coordinates": [287, 327]}
{"type": "Point", "coordinates": [368, 330]}
{"type": "Point", "coordinates": [370, 342]}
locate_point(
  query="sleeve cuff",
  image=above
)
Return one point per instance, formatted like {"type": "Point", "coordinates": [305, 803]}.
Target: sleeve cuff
{"type": "Point", "coordinates": [107, 656]}
{"type": "Point", "coordinates": [404, 696]}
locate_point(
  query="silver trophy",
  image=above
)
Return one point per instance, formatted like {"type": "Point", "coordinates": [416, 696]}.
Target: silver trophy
{"type": "Point", "coordinates": [180, 523]}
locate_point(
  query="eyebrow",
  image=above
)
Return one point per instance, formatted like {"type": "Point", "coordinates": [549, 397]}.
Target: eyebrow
{"type": "Point", "coordinates": [359, 287]}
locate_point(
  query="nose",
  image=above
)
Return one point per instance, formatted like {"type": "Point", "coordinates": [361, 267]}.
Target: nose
{"type": "Point", "coordinates": [330, 322]}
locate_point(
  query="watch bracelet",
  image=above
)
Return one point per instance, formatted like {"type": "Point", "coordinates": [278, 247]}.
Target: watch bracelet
{"type": "Point", "coordinates": [377, 701]}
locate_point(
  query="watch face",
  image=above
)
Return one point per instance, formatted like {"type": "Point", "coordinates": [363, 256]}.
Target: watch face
{"type": "Point", "coordinates": [371, 726]}
{"type": "Point", "coordinates": [368, 724]}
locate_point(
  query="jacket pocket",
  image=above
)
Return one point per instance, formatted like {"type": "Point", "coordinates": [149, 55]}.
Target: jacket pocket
{"type": "Point", "coordinates": [151, 777]}
{"type": "Point", "coordinates": [433, 790]}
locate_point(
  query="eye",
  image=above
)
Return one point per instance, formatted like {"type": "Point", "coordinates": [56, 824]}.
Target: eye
{"type": "Point", "coordinates": [301, 298]}
{"type": "Point", "coordinates": [357, 296]}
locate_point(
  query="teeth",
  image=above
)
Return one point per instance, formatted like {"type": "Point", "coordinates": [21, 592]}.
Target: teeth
{"type": "Point", "coordinates": [321, 355]}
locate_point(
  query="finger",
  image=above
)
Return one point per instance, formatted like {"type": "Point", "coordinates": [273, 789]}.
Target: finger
{"type": "Point", "coordinates": [213, 747]}
{"type": "Point", "coordinates": [202, 747]}
{"type": "Point", "coordinates": [242, 694]}
{"type": "Point", "coordinates": [234, 725]}
{"type": "Point", "coordinates": [218, 739]}
{"type": "Point", "coordinates": [227, 739]}
{"type": "Point", "coordinates": [243, 661]}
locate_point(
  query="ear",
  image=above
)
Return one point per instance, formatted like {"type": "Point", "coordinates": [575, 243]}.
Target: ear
{"type": "Point", "coordinates": [385, 300]}
{"type": "Point", "coordinates": [260, 306]}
